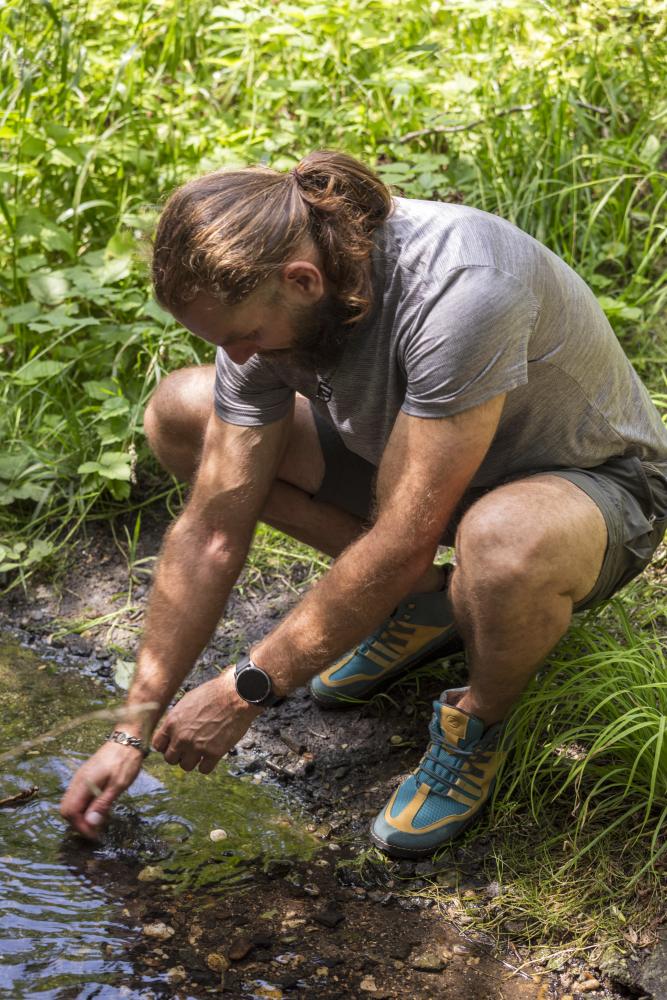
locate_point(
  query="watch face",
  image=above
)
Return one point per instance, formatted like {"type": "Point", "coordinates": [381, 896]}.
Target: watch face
{"type": "Point", "coordinates": [253, 684]}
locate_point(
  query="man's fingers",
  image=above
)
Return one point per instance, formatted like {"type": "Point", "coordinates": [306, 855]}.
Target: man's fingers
{"type": "Point", "coordinates": [208, 763]}
{"type": "Point", "coordinates": [172, 755]}
{"type": "Point", "coordinates": [189, 760]}
{"type": "Point", "coordinates": [160, 740]}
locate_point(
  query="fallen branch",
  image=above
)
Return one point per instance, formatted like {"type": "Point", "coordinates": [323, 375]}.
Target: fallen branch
{"type": "Point", "coordinates": [14, 800]}
{"type": "Point", "coordinates": [111, 714]}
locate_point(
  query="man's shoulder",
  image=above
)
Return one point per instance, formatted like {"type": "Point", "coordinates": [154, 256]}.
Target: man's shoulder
{"type": "Point", "coordinates": [430, 239]}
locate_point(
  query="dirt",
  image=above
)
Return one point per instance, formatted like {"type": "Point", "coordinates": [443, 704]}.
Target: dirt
{"type": "Point", "coordinates": [344, 924]}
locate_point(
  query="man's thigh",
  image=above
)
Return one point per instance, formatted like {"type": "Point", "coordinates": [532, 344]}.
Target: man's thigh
{"type": "Point", "coordinates": [606, 522]}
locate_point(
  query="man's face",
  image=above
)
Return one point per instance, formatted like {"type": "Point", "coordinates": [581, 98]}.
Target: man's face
{"type": "Point", "coordinates": [267, 323]}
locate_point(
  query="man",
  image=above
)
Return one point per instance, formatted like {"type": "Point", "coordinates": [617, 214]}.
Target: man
{"type": "Point", "coordinates": [390, 374]}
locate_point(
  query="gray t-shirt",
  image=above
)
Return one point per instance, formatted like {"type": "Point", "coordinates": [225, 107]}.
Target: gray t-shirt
{"type": "Point", "coordinates": [467, 306]}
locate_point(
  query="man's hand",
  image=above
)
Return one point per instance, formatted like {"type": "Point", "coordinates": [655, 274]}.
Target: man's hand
{"type": "Point", "coordinates": [204, 725]}
{"type": "Point", "coordinates": [96, 786]}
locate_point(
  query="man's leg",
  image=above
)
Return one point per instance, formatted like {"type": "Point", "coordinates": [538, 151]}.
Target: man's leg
{"type": "Point", "coordinates": [526, 553]}
{"type": "Point", "coordinates": [175, 423]}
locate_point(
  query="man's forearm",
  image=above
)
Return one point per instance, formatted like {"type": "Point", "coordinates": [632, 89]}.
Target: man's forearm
{"type": "Point", "coordinates": [194, 578]}
{"type": "Point", "coordinates": [359, 591]}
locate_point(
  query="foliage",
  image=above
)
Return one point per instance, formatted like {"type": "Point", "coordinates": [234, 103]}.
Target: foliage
{"type": "Point", "coordinates": [550, 115]}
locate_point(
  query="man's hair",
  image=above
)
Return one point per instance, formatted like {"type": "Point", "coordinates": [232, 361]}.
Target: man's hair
{"type": "Point", "coordinates": [229, 231]}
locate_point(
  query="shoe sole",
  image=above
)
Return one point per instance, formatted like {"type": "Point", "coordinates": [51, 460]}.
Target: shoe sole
{"type": "Point", "coordinates": [448, 648]}
{"type": "Point", "coordinates": [420, 852]}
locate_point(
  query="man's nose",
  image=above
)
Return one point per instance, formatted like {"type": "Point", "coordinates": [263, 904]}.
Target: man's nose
{"type": "Point", "coordinates": [240, 353]}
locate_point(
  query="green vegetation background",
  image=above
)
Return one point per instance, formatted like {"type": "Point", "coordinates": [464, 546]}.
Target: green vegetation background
{"type": "Point", "coordinates": [551, 115]}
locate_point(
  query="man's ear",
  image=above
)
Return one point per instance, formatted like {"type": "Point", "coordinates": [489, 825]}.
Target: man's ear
{"type": "Point", "coordinates": [303, 281]}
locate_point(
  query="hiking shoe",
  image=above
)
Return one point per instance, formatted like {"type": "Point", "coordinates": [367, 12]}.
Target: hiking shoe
{"type": "Point", "coordinates": [454, 779]}
{"type": "Point", "coordinates": [421, 627]}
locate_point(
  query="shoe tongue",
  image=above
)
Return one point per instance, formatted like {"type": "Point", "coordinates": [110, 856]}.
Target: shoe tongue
{"type": "Point", "coordinates": [458, 727]}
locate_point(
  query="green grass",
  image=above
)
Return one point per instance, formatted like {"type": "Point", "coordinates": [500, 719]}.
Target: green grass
{"type": "Point", "coordinates": [551, 115]}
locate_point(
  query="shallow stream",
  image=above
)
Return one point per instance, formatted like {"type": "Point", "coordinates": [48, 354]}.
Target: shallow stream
{"type": "Point", "coordinates": [66, 923]}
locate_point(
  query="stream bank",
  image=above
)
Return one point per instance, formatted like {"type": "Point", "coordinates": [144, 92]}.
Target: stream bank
{"type": "Point", "coordinates": [319, 914]}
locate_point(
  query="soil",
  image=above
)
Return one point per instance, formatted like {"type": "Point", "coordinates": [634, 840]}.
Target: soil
{"type": "Point", "coordinates": [344, 924]}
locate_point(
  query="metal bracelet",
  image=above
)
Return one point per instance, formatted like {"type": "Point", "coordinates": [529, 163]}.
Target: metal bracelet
{"type": "Point", "coordinates": [118, 736]}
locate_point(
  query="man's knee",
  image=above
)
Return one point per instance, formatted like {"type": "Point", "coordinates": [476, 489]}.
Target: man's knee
{"type": "Point", "coordinates": [176, 415]}
{"type": "Point", "coordinates": [496, 544]}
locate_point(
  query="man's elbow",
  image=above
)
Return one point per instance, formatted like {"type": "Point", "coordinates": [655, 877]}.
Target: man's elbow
{"type": "Point", "coordinates": [212, 544]}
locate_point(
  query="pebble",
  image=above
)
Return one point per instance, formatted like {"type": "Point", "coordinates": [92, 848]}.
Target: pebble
{"type": "Point", "coordinates": [239, 948]}
{"type": "Point", "coordinates": [329, 917]}
{"type": "Point", "coordinates": [217, 962]}
{"type": "Point", "coordinates": [177, 974]}
{"type": "Point", "coordinates": [368, 985]}
{"type": "Point", "coordinates": [78, 645]}
{"type": "Point", "coordinates": [589, 986]}
{"type": "Point", "coordinates": [150, 874]}
{"type": "Point", "coordinates": [396, 740]}
{"type": "Point", "coordinates": [217, 835]}
{"type": "Point", "coordinates": [428, 961]}
{"type": "Point", "coordinates": [158, 930]}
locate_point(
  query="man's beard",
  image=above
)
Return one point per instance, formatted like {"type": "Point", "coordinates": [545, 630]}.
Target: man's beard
{"type": "Point", "coordinates": [320, 335]}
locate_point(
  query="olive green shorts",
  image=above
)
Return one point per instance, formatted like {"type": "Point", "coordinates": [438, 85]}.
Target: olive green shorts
{"type": "Point", "coordinates": [631, 495]}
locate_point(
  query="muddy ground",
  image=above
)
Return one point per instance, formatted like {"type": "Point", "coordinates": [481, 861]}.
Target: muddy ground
{"type": "Point", "coordinates": [333, 927]}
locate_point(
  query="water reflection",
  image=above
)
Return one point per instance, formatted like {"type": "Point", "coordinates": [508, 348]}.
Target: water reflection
{"type": "Point", "coordinates": [68, 919]}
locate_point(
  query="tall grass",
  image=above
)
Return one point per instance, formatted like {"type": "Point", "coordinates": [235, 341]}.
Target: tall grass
{"type": "Point", "coordinates": [551, 116]}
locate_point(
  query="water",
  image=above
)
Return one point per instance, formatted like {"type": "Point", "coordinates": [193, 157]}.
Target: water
{"type": "Point", "coordinates": [67, 928]}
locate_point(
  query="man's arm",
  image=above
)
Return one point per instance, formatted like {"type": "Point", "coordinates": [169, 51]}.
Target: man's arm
{"type": "Point", "coordinates": [203, 553]}
{"type": "Point", "coordinates": [425, 469]}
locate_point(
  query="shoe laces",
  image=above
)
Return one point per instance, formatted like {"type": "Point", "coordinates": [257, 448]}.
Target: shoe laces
{"type": "Point", "coordinates": [445, 773]}
{"type": "Point", "coordinates": [384, 632]}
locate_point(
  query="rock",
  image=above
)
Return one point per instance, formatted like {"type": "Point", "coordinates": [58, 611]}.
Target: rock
{"type": "Point", "coordinates": [239, 948]}
{"type": "Point", "coordinates": [329, 917]}
{"type": "Point", "coordinates": [589, 986]}
{"type": "Point", "coordinates": [158, 930]}
{"type": "Point", "coordinates": [423, 868]}
{"type": "Point", "coordinates": [367, 984]}
{"type": "Point", "coordinates": [406, 869]}
{"type": "Point", "coordinates": [217, 962]}
{"type": "Point", "coordinates": [428, 961]}
{"type": "Point", "coordinates": [103, 654]}
{"type": "Point", "coordinates": [396, 740]}
{"type": "Point", "coordinates": [217, 835]}
{"type": "Point", "coordinates": [78, 645]}
{"type": "Point", "coordinates": [177, 974]}
{"type": "Point", "coordinates": [151, 873]}
{"type": "Point", "coordinates": [653, 975]}
{"type": "Point", "coordinates": [311, 889]}
{"type": "Point", "coordinates": [173, 831]}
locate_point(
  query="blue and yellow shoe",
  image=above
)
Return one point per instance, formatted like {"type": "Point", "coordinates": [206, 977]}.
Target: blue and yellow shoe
{"type": "Point", "coordinates": [453, 781]}
{"type": "Point", "coordinates": [421, 628]}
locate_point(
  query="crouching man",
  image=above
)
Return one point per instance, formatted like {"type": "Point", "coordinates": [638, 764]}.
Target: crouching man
{"type": "Point", "coordinates": [390, 374]}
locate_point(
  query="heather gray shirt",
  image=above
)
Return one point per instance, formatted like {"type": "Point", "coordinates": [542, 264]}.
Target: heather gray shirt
{"type": "Point", "coordinates": [467, 306]}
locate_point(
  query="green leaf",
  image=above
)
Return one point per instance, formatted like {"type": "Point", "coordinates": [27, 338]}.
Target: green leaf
{"type": "Point", "coordinates": [650, 151]}
{"type": "Point", "coordinates": [111, 465]}
{"type": "Point", "coordinates": [123, 673]}
{"type": "Point", "coordinates": [49, 287]}
{"type": "Point", "coordinates": [35, 371]}
{"type": "Point", "coordinates": [101, 389]}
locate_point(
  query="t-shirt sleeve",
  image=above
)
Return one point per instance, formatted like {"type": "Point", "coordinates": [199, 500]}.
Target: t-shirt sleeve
{"type": "Point", "coordinates": [251, 394]}
{"type": "Point", "coordinates": [469, 342]}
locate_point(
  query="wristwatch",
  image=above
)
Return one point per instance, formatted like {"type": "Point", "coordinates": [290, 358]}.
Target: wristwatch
{"type": "Point", "coordinates": [254, 685]}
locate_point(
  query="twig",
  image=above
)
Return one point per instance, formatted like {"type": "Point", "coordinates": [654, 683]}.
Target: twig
{"type": "Point", "coordinates": [277, 769]}
{"type": "Point", "coordinates": [23, 796]}
{"type": "Point", "coordinates": [449, 129]}
{"type": "Point", "coordinates": [593, 107]}
{"type": "Point", "coordinates": [113, 714]}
